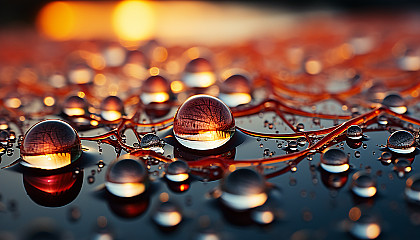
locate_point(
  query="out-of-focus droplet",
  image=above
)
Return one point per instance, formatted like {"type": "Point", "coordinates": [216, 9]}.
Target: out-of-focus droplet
{"type": "Point", "coordinates": [263, 215]}
{"type": "Point", "coordinates": [167, 215]}
{"type": "Point", "coordinates": [156, 89]}
{"type": "Point", "coordinates": [235, 90]}
{"type": "Point", "coordinates": [112, 108]}
{"type": "Point", "coordinates": [335, 161]}
{"type": "Point", "coordinates": [402, 166]}
{"type": "Point", "coordinates": [199, 74]}
{"type": "Point", "coordinates": [203, 122]}
{"type": "Point", "coordinates": [57, 80]}
{"type": "Point", "coordinates": [4, 137]}
{"type": "Point", "coordinates": [395, 103]}
{"type": "Point", "coordinates": [363, 185]}
{"type": "Point", "coordinates": [114, 55]}
{"type": "Point", "coordinates": [386, 157]}
{"type": "Point", "coordinates": [412, 189]}
{"type": "Point", "coordinates": [410, 61]}
{"type": "Point", "coordinates": [382, 120]}
{"type": "Point", "coordinates": [362, 44]}
{"type": "Point", "coordinates": [3, 124]}
{"type": "Point", "coordinates": [377, 92]}
{"type": "Point", "coordinates": [401, 141]}
{"type": "Point", "coordinates": [13, 100]}
{"type": "Point", "coordinates": [312, 66]}
{"type": "Point", "coordinates": [50, 144]}
{"type": "Point", "coordinates": [75, 106]}
{"type": "Point", "coordinates": [80, 74]}
{"type": "Point", "coordinates": [354, 132]}
{"type": "Point", "coordinates": [366, 227]}
{"type": "Point", "coordinates": [243, 189]}
{"type": "Point", "coordinates": [126, 177]}
{"type": "Point", "coordinates": [177, 171]}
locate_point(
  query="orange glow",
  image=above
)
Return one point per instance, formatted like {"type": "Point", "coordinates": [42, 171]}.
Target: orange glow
{"type": "Point", "coordinates": [154, 71]}
{"type": "Point", "coordinates": [160, 54]}
{"type": "Point", "coordinates": [49, 101]}
{"type": "Point", "coordinates": [133, 21]}
{"type": "Point", "coordinates": [57, 20]}
{"type": "Point", "coordinates": [355, 213]}
{"type": "Point", "coordinates": [177, 86]}
{"type": "Point", "coordinates": [373, 231]}
{"type": "Point", "coordinates": [184, 187]}
{"type": "Point", "coordinates": [164, 197]}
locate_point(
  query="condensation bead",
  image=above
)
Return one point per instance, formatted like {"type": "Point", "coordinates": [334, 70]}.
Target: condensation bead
{"type": "Point", "coordinates": [386, 157]}
{"type": "Point", "coordinates": [199, 74]}
{"type": "Point", "coordinates": [300, 127]}
{"type": "Point", "coordinates": [235, 90]}
{"type": "Point", "coordinates": [292, 145]}
{"type": "Point", "coordinates": [126, 177]}
{"type": "Point", "coordinates": [152, 142]}
{"type": "Point", "coordinates": [377, 92]}
{"type": "Point", "coordinates": [112, 108]}
{"type": "Point", "coordinates": [203, 122]}
{"type": "Point", "coordinates": [334, 180]}
{"type": "Point", "coordinates": [3, 124]}
{"type": "Point", "coordinates": [75, 106]}
{"type": "Point", "coordinates": [354, 132]}
{"type": "Point", "coordinates": [243, 189]}
{"type": "Point", "coordinates": [177, 171]}
{"type": "Point", "coordinates": [395, 103]}
{"type": "Point", "coordinates": [167, 215]}
{"type": "Point", "coordinates": [401, 141]}
{"type": "Point", "coordinates": [335, 161]}
{"type": "Point", "coordinates": [50, 144]}
{"type": "Point", "coordinates": [363, 185]}
{"type": "Point", "coordinates": [382, 120]}
{"type": "Point", "coordinates": [410, 61]}
{"type": "Point", "coordinates": [156, 89]}
{"type": "Point", "coordinates": [366, 227]}
{"type": "Point", "coordinates": [402, 166]}
{"type": "Point", "coordinates": [412, 188]}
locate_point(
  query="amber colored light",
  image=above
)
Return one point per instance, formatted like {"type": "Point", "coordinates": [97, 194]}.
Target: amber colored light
{"type": "Point", "coordinates": [133, 20]}
{"type": "Point", "coordinates": [355, 213]}
{"type": "Point", "coordinates": [63, 24]}
{"type": "Point", "coordinates": [177, 86]}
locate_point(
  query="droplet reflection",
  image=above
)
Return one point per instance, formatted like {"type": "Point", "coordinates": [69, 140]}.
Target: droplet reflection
{"type": "Point", "coordinates": [401, 141]}
{"type": "Point", "coordinates": [334, 161]}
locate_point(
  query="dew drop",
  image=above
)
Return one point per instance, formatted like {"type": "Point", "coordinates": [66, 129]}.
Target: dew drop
{"type": "Point", "coordinates": [126, 177]}
{"type": "Point", "coordinates": [363, 185]}
{"type": "Point", "coordinates": [334, 161]}
{"type": "Point", "coordinates": [50, 144]}
{"type": "Point", "coordinates": [395, 103]}
{"type": "Point", "coordinates": [401, 141]}
{"type": "Point", "coordinates": [235, 90]}
{"type": "Point", "coordinates": [112, 108]}
{"type": "Point", "coordinates": [292, 145]}
{"type": "Point", "coordinates": [402, 166]}
{"type": "Point", "coordinates": [80, 74]}
{"type": "Point", "coordinates": [356, 154]}
{"type": "Point", "coordinates": [177, 171]}
{"type": "Point", "coordinates": [243, 189]}
{"type": "Point", "coordinates": [203, 122]}
{"type": "Point", "coordinates": [354, 132]}
{"type": "Point", "coordinates": [75, 106]}
{"type": "Point", "coordinates": [151, 141]}
{"type": "Point", "coordinates": [91, 179]}
{"type": "Point", "coordinates": [156, 89]}
{"type": "Point", "coordinates": [167, 215]}
{"type": "Point", "coordinates": [366, 227]}
{"type": "Point", "coordinates": [300, 127]}
{"type": "Point", "coordinates": [263, 215]}
{"type": "Point", "coordinates": [382, 119]}
{"type": "Point", "coordinates": [412, 189]}
{"type": "Point", "coordinates": [199, 74]}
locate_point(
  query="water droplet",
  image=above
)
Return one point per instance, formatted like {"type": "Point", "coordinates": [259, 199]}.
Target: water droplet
{"type": "Point", "coordinates": [199, 74]}
{"type": "Point", "coordinates": [50, 144]}
{"type": "Point", "coordinates": [91, 179]}
{"type": "Point", "coordinates": [383, 119]}
{"type": "Point", "coordinates": [151, 141]}
{"type": "Point", "coordinates": [366, 227]}
{"type": "Point", "coordinates": [3, 124]}
{"type": "Point", "coordinates": [243, 189]}
{"type": "Point", "coordinates": [114, 55]}
{"type": "Point", "coordinates": [300, 127]}
{"type": "Point", "coordinates": [354, 132]}
{"type": "Point", "coordinates": [363, 185]}
{"type": "Point", "coordinates": [402, 166]}
{"type": "Point", "coordinates": [412, 188]}
{"type": "Point", "coordinates": [112, 108]}
{"type": "Point", "coordinates": [156, 89]}
{"type": "Point", "coordinates": [167, 215]}
{"type": "Point", "coordinates": [386, 157]}
{"type": "Point", "coordinates": [235, 90]}
{"type": "Point", "coordinates": [75, 106]}
{"type": "Point", "coordinates": [203, 122]}
{"type": "Point", "coordinates": [126, 177]}
{"type": "Point", "coordinates": [177, 171]}
{"type": "Point", "coordinates": [410, 61]}
{"type": "Point", "coordinates": [401, 141]}
{"type": "Point", "coordinates": [334, 161]}
{"type": "Point", "coordinates": [80, 74]}
{"type": "Point", "coordinates": [292, 145]}
{"type": "Point", "coordinates": [356, 154]}
{"type": "Point", "coordinates": [376, 93]}
{"type": "Point", "coordinates": [395, 103]}
{"type": "Point", "coordinates": [74, 214]}
{"type": "Point", "coordinates": [101, 164]}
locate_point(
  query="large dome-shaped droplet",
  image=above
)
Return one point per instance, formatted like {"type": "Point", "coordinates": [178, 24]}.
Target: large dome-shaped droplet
{"type": "Point", "coordinates": [50, 144]}
{"type": "Point", "coordinates": [243, 189]}
{"type": "Point", "coordinates": [354, 132]}
{"type": "Point", "coordinates": [126, 177]}
{"type": "Point", "coordinates": [401, 141]}
{"type": "Point", "coordinates": [199, 74]}
{"type": "Point", "coordinates": [167, 215]}
{"type": "Point", "coordinates": [334, 161]}
{"type": "Point", "coordinates": [177, 171]}
{"type": "Point", "coordinates": [203, 122]}
{"type": "Point", "coordinates": [75, 106]}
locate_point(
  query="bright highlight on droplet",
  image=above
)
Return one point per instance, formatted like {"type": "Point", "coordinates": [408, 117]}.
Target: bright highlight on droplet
{"type": "Point", "coordinates": [133, 20]}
